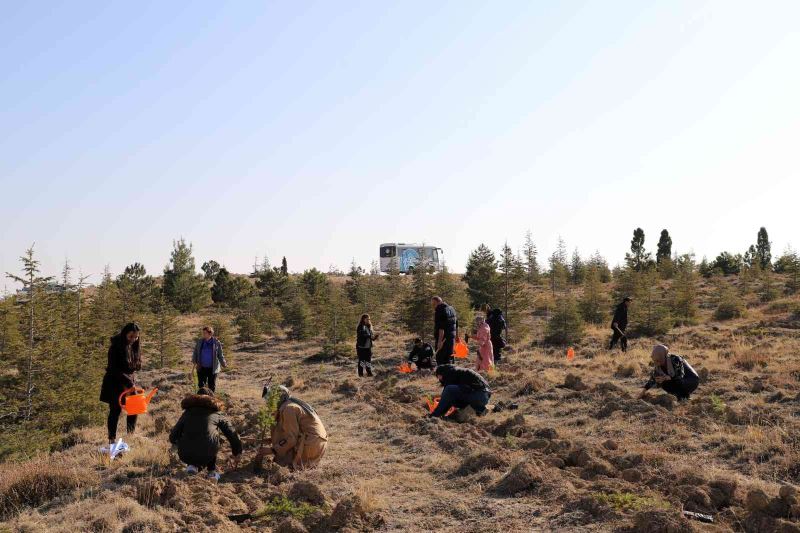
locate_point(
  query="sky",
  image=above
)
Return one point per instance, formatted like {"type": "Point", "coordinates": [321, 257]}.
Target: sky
{"type": "Point", "coordinates": [319, 130]}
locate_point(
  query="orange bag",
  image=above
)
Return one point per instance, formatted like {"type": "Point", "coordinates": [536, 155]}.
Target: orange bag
{"type": "Point", "coordinates": [570, 354]}
{"type": "Point", "coordinates": [405, 368]}
{"type": "Point", "coordinates": [434, 403]}
{"type": "Point", "coordinates": [460, 349]}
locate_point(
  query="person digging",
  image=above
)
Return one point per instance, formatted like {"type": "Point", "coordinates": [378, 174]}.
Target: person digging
{"type": "Point", "coordinates": [462, 388]}
{"type": "Point", "coordinates": [672, 373]}
{"type": "Point", "coordinates": [197, 433]}
{"type": "Point", "coordinates": [299, 439]}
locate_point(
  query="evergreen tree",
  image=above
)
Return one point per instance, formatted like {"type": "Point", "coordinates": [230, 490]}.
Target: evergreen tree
{"type": "Point", "coordinates": [354, 286]}
{"type": "Point", "coordinates": [728, 263]}
{"type": "Point", "coordinates": [639, 259]}
{"type": "Point", "coordinates": [339, 322]}
{"type": "Point", "coordinates": [651, 315]}
{"type": "Point", "coordinates": [594, 303]}
{"type": "Point", "coordinates": [664, 250]}
{"type": "Point", "coordinates": [417, 311]}
{"type": "Point", "coordinates": [684, 291]}
{"type": "Point", "coordinates": [576, 268]}
{"type": "Point", "coordinates": [599, 264]}
{"type": "Point", "coordinates": [531, 264]}
{"type": "Point", "coordinates": [768, 290]}
{"type": "Point", "coordinates": [34, 286]}
{"type": "Point", "coordinates": [274, 286]}
{"type": "Point", "coordinates": [315, 284]}
{"type": "Point", "coordinates": [164, 332]}
{"type": "Point", "coordinates": [481, 276]}
{"type": "Point", "coordinates": [184, 289]}
{"type": "Point", "coordinates": [137, 291]}
{"type": "Point", "coordinates": [284, 267]}
{"type": "Point", "coordinates": [559, 272]}
{"type": "Point", "coordinates": [789, 264]}
{"type": "Point", "coordinates": [513, 291]}
{"type": "Point", "coordinates": [231, 290]}
{"type": "Point", "coordinates": [565, 325]}
{"type": "Point", "coordinates": [210, 270]}
{"type": "Point", "coordinates": [297, 315]}
{"type": "Point", "coordinates": [763, 249]}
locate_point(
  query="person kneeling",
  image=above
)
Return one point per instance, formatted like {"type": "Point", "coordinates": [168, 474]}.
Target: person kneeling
{"type": "Point", "coordinates": [299, 439]}
{"type": "Point", "coordinates": [421, 355]}
{"type": "Point", "coordinates": [197, 433]}
{"type": "Point", "coordinates": [672, 373]}
{"type": "Point", "coordinates": [461, 387]}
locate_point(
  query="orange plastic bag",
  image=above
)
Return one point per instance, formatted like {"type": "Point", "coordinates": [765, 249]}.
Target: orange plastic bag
{"type": "Point", "coordinates": [460, 349]}
{"type": "Point", "coordinates": [405, 368]}
{"type": "Point", "coordinates": [434, 403]}
{"type": "Point", "coordinates": [570, 354]}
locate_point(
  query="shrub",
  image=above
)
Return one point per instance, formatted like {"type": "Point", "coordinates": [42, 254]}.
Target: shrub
{"type": "Point", "coordinates": [34, 483]}
{"type": "Point", "coordinates": [730, 306]}
{"type": "Point", "coordinates": [566, 325]}
{"type": "Point", "coordinates": [281, 506]}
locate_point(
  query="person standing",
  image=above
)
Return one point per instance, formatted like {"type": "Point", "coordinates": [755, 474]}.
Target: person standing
{"type": "Point", "coordinates": [445, 330]}
{"type": "Point", "coordinates": [124, 359]}
{"type": "Point", "coordinates": [497, 325]}
{"type": "Point", "coordinates": [207, 359]}
{"type": "Point", "coordinates": [619, 324]}
{"type": "Point", "coordinates": [364, 338]}
{"type": "Point", "coordinates": [483, 337]}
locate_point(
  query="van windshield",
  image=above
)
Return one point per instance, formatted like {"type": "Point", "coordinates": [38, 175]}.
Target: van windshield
{"type": "Point", "coordinates": [388, 251]}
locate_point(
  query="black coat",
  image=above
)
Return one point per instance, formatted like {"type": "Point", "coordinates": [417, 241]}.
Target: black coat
{"type": "Point", "coordinates": [422, 354]}
{"type": "Point", "coordinates": [497, 323]}
{"type": "Point", "coordinates": [197, 432]}
{"type": "Point", "coordinates": [458, 375]}
{"type": "Point", "coordinates": [364, 337]}
{"type": "Point", "coordinates": [620, 317]}
{"type": "Point", "coordinates": [120, 373]}
{"type": "Point", "coordinates": [444, 318]}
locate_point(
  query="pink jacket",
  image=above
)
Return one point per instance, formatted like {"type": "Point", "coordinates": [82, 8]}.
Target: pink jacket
{"type": "Point", "coordinates": [485, 355]}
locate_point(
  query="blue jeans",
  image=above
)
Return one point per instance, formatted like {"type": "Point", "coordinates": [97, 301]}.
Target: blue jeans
{"type": "Point", "coordinates": [460, 396]}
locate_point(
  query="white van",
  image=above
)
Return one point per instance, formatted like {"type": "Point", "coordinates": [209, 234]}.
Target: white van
{"type": "Point", "coordinates": [406, 256]}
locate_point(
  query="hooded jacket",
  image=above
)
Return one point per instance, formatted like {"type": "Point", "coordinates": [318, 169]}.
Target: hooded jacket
{"type": "Point", "coordinates": [456, 375]}
{"type": "Point", "coordinates": [497, 322]}
{"type": "Point", "coordinates": [298, 437]}
{"type": "Point", "coordinates": [197, 432]}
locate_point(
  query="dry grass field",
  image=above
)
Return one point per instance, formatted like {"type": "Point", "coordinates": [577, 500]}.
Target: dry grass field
{"type": "Point", "coordinates": [580, 453]}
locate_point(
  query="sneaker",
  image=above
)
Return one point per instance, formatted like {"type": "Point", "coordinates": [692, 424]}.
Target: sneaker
{"type": "Point", "coordinates": [213, 475]}
{"type": "Point", "coordinates": [191, 470]}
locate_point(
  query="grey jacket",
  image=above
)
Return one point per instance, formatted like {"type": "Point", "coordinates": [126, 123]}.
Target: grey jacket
{"type": "Point", "coordinates": [219, 358]}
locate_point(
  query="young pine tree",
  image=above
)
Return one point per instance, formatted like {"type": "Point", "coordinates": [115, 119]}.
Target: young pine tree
{"type": "Point", "coordinates": [416, 308]}
{"type": "Point", "coordinates": [594, 303]}
{"type": "Point", "coordinates": [531, 264]}
{"type": "Point", "coordinates": [565, 325]}
{"type": "Point", "coordinates": [684, 291]}
{"type": "Point", "coordinates": [185, 290]}
{"type": "Point", "coordinates": [481, 276]}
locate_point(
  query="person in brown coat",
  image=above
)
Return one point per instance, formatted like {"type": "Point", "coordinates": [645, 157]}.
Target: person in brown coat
{"type": "Point", "coordinates": [299, 439]}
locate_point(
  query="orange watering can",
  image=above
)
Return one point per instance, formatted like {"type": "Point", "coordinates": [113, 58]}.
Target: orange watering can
{"type": "Point", "coordinates": [434, 403]}
{"type": "Point", "coordinates": [136, 401]}
{"type": "Point", "coordinates": [460, 349]}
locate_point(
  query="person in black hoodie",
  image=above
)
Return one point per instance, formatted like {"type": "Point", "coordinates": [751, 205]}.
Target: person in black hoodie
{"type": "Point", "coordinates": [124, 359]}
{"type": "Point", "coordinates": [672, 373]}
{"type": "Point", "coordinates": [197, 433]}
{"type": "Point", "coordinates": [461, 387]}
{"type": "Point", "coordinates": [364, 338]}
{"type": "Point", "coordinates": [445, 330]}
{"type": "Point", "coordinates": [421, 354]}
{"type": "Point", "coordinates": [497, 325]}
{"type": "Point", "coordinates": [619, 324]}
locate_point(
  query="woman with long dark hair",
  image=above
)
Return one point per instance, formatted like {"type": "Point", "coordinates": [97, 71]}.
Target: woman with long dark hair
{"type": "Point", "coordinates": [364, 338]}
{"type": "Point", "coordinates": [124, 359]}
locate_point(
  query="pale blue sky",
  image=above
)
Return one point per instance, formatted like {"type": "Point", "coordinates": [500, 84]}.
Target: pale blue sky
{"type": "Point", "coordinates": [318, 130]}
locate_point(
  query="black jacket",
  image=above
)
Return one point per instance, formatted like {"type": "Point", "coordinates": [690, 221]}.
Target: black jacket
{"type": "Point", "coordinates": [422, 354]}
{"type": "Point", "coordinates": [457, 375]}
{"type": "Point", "coordinates": [444, 318]}
{"type": "Point", "coordinates": [197, 432]}
{"type": "Point", "coordinates": [364, 337]}
{"type": "Point", "coordinates": [120, 373]}
{"type": "Point", "coordinates": [620, 317]}
{"type": "Point", "coordinates": [497, 322]}
{"type": "Point", "coordinates": [681, 372]}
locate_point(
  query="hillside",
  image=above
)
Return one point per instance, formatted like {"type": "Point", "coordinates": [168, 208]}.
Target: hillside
{"type": "Point", "coordinates": [580, 453]}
